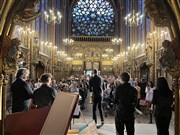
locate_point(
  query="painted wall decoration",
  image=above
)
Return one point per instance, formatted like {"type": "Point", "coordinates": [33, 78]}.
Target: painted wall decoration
{"type": "Point", "coordinates": [160, 16]}
{"type": "Point", "coordinates": [88, 65]}
{"type": "Point", "coordinates": [95, 65]}
{"type": "Point", "coordinates": [106, 63]}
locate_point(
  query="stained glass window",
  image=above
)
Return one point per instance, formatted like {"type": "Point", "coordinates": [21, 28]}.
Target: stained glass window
{"type": "Point", "coordinates": [93, 18]}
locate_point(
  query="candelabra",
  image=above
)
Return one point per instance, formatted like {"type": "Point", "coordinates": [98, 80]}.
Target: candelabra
{"type": "Point", "coordinates": [61, 55]}
{"type": "Point", "coordinates": [26, 32]}
{"type": "Point", "coordinates": [109, 50]}
{"type": "Point", "coordinates": [133, 20]}
{"type": "Point", "coordinates": [69, 58]}
{"type": "Point", "coordinates": [104, 55]}
{"type": "Point", "coordinates": [116, 41]}
{"type": "Point", "coordinates": [52, 18]}
{"type": "Point", "coordinates": [28, 36]}
{"type": "Point", "coordinates": [79, 54]}
{"type": "Point", "coordinates": [68, 41]}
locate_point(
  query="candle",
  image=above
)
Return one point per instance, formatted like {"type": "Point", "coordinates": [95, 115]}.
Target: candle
{"type": "Point", "coordinates": [141, 18]}
{"type": "Point", "coordinates": [126, 20]}
{"type": "Point", "coordinates": [137, 21]}
{"type": "Point", "coordinates": [19, 33]}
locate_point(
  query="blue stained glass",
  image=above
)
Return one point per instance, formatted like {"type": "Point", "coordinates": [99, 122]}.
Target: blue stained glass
{"type": "Point", "coordinates": [93, 18]}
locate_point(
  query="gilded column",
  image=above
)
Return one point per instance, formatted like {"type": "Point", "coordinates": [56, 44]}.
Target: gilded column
{"type": "Point", "coordinates": [1, 99]}
{"type": "Point", "coordinates": [176, 86]}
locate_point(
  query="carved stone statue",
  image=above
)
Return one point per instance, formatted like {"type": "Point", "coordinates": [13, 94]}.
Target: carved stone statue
{"type": "Point", "coordinates": [173, 66]}
{"type": "Point", "coordinates": [157, 12]}
{"type": "Point", "coordinates": [11, 55]}
{"type": "Point", "coordinates": [28, 13]}
{"type": "Point", "coordinates": [148, 50]}
{"type": "Point", "coordinates": [168, 58]}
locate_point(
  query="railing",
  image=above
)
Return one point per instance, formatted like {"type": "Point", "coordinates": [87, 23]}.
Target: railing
{"type": "Point", "coordinates": [93, 38]}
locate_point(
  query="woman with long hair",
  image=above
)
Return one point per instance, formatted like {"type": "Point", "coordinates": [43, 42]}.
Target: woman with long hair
{"type": "Point", "coordinates": [162, 101]}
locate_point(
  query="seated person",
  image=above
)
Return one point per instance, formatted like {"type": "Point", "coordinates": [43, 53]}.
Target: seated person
{"type": "Point", "coordinates": [45, 95]}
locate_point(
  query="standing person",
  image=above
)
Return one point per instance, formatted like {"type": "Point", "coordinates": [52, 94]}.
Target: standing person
{"type": "Point", "coordinates": [73, 87]}
{"type": "Point", "coordinates": [139, 93]}
{"type": "Point", "coordinates": [143, 88]}
{"type": "Point", "coordinates": [162, 101]}
{"type": "Point", "coordinates": [82, 94]}
{"type": "Point", "coordinates": [54, 84]}
{"type": "Point", "coordinates": [131, 81]}
{"type": "Point", "coordinates": [137, 80]}
{"type": "Point", "coordinates": [45, 95]}
{"type": "Point", "coordinates": [95, 84]}
{"type": "Point", "coordinates": [149, 93]}
{"type": "Point", "coordinates": [125, 100]}
{"type": "Point", "coordinates": [21, 91]}
{"type": "Point", "coordinates": [37, 84]}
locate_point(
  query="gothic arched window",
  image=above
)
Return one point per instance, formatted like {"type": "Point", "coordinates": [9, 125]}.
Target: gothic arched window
{"type": "Point", "coordinates": [93, 18]}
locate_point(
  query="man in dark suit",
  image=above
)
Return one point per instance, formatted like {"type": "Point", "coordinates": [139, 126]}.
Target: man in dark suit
{"type": "Point", "coordinates": [125, 100]}
{"type": "Point", "coordinates": [45, 95]}
{"type": "Point", "coordinates": [95, 85]}
{"type": "Point", "coordinates": [21, 92]}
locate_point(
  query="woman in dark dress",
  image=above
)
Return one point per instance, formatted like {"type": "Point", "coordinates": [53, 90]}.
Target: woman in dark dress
{"type": "Point", "coordinates": [162, 101]}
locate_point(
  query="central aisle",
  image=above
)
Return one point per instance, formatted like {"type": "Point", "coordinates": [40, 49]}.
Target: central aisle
{"type": "Point", "coordinates": [142, 126]}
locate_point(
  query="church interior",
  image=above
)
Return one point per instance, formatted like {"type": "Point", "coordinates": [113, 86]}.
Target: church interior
{"type": "Point", "coordinates": [73, 38]}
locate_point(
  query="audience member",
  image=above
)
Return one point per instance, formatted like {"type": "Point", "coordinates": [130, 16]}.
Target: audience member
{"type": "Point", "coordinates": [143, 88]}
{"type": "Point", "coordinates": [45, 95]}
{"type": "Point", "coordinates": [162, 101]}
{"type": "Point", "coordinates": [125, 100]}
{"type": "Point", "coordinates": [149, 93]}
{"type": "Point", "coordinates": [21, 91]}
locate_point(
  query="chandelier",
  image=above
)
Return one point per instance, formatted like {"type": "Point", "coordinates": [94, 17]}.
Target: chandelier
{"type": "Point", "coordinates": [116, 41]}
{"type": "Point", "coordinates": [50, 17]}
{"type": "Point", "coordinates": [68, 41]}
{"type": "Point", "coordinates": [78, 54]}
{"type": "Point", "coordinates": [133, 20]}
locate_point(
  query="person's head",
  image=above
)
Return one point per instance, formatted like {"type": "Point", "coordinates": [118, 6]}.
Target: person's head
{"type": "Point", "coordinates": [22, 73]}
{"type": "Point", "coordinates": [124, 77]}
{"type": "Point", "coordinates": [162, 86]}
{"type": "Point", "coordinates": [136, 79]}
{"type": "Point", "coordinates": [150, 84]}
{"type": "Point", "coordinates": [166, 43]}
{"type": "Point", "coordinates": [95, 71]}
{"type": "Point", "coordinates": [53, 81]}
{"type": "Point", "coordinates": [135, 83]}
{"type": "Point", "coordinates": [142, 80]}
{"type": "Point", "coordinates": [46, 78]}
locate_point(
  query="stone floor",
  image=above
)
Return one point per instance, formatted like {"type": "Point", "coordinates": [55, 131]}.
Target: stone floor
{"type": "Point", "coordinates": [142, 126]}
{"type": "Point", "coordinates": [140, 129]}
